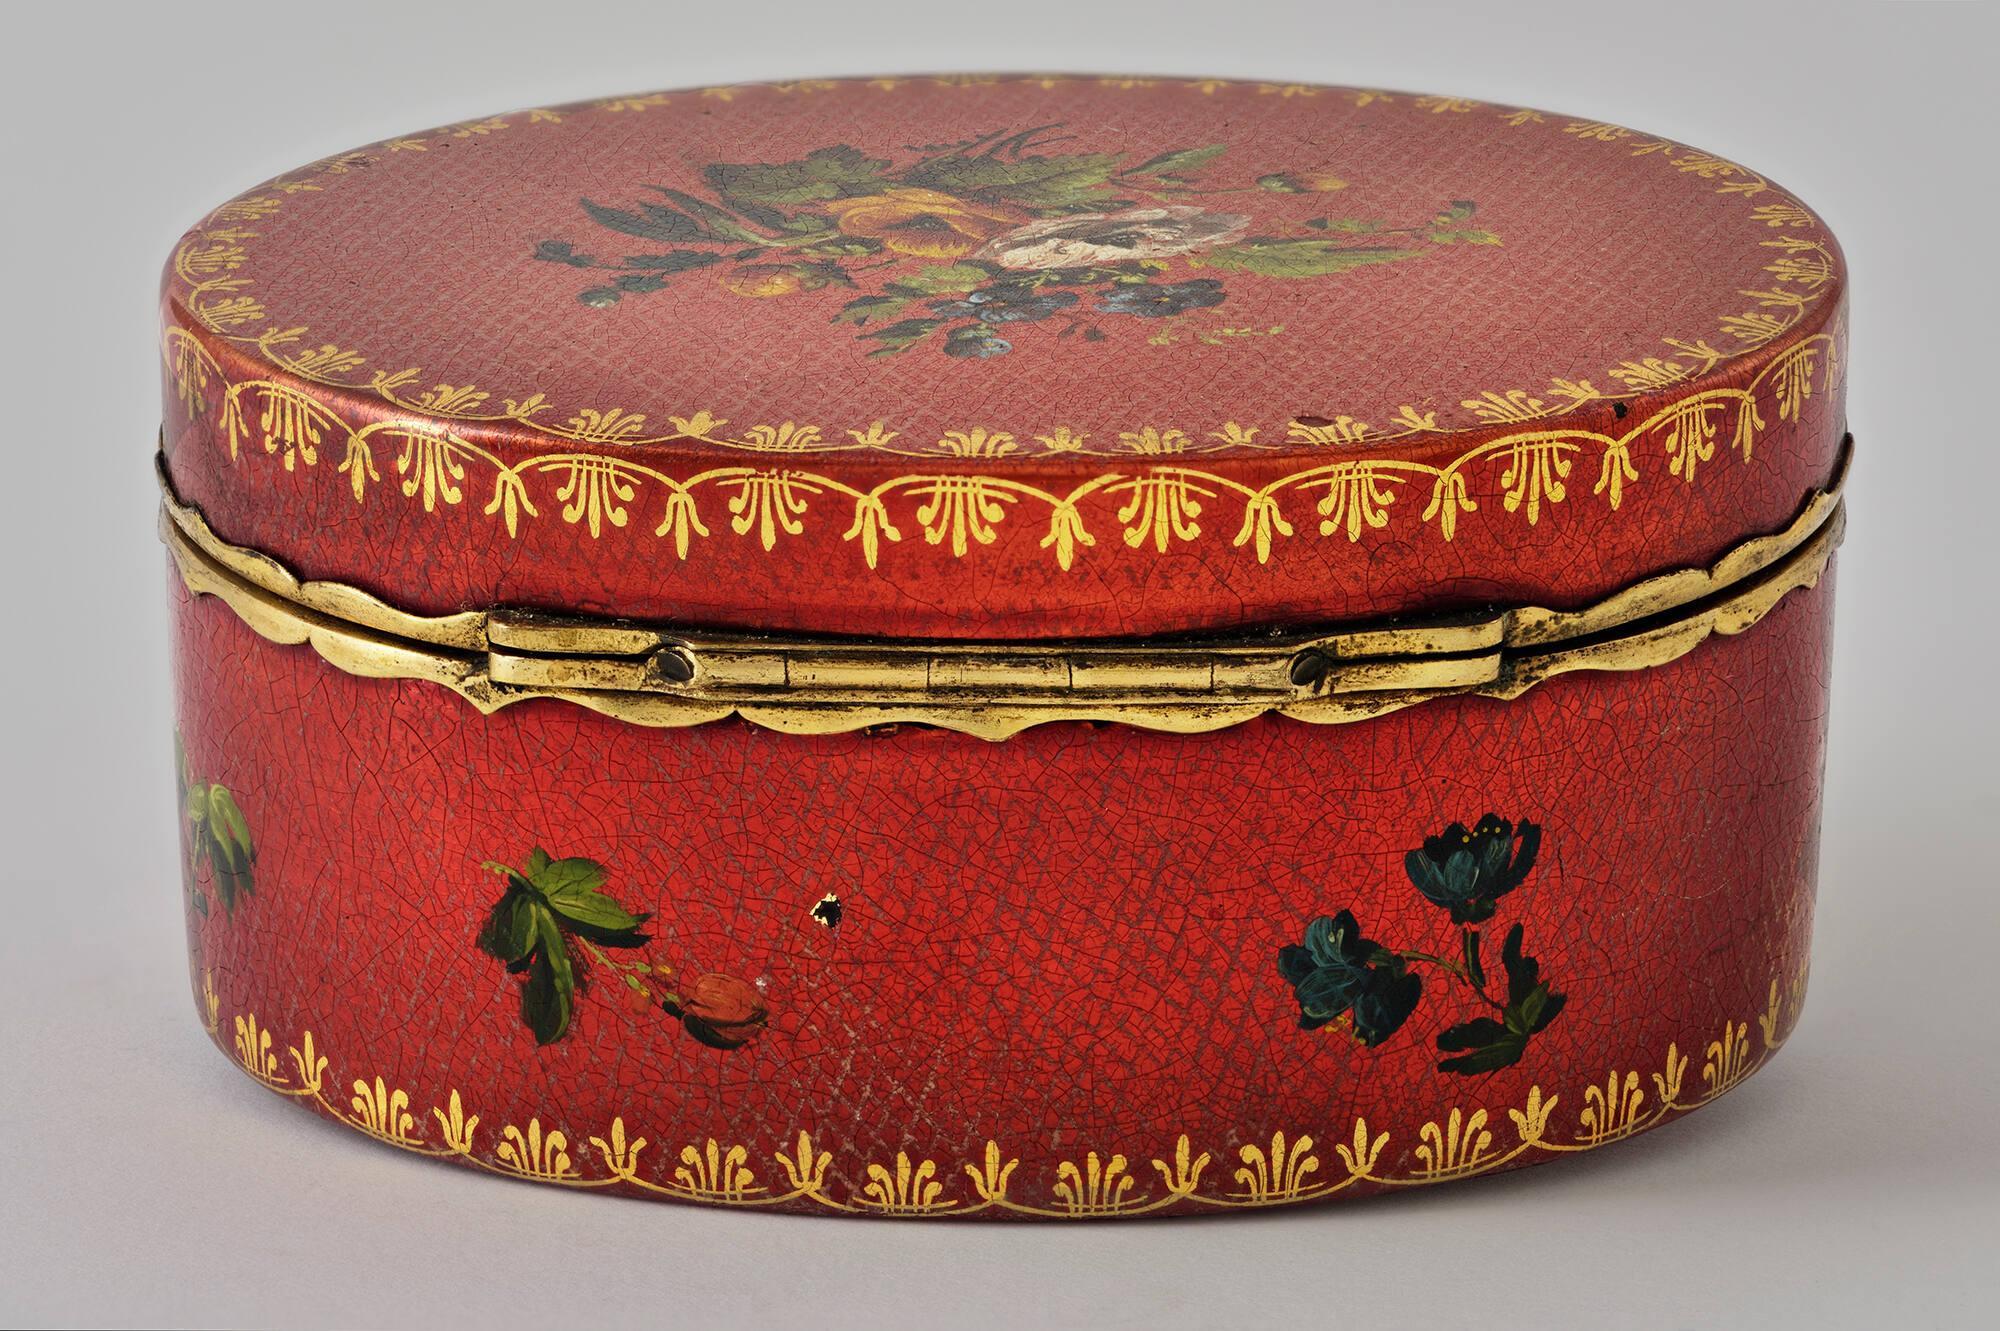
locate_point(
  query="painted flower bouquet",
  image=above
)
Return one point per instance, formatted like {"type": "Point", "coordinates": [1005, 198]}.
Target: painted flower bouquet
{"type": "Point", "coordinates": [963, 244]}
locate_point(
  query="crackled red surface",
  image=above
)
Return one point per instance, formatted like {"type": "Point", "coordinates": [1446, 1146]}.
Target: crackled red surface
{"type": "Point", "coordinates": [1064, 943]}
{"type": "Point", "coordinates": [366, 299]}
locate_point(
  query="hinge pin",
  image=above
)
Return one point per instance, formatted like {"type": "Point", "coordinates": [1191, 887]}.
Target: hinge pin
{"type": "Point", "coordinates": [1309, 667]}
{"type": "Point", "coordinates": [673, 664]}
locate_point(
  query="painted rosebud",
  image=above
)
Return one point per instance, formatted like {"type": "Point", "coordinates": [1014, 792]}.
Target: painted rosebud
{"type": "Point", "coordinates": [722, 1011]}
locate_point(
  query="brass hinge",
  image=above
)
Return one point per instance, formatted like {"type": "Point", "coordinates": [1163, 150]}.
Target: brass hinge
{"type": "Point", "coordinates": [537, 652]}
{"type": "Point", "coordinates": [661, 675]}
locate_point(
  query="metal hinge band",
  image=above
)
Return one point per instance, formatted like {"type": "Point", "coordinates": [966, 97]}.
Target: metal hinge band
{"type": "Point", "coordinates": [663, 676]}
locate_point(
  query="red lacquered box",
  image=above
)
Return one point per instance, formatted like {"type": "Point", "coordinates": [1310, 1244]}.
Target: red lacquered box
{"type": "Point", "coordinates": [1010, 646]}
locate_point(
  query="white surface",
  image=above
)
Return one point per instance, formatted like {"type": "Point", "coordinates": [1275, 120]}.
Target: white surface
{"type": "Point", "coordinates": [145, 1182]}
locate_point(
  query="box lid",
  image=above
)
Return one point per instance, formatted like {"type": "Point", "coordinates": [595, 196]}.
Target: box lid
{"type": "Point", "coordinates": [1005, 357]}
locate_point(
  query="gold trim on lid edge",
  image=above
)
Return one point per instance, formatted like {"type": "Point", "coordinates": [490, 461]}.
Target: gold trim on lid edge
{"type": "Point", "coordinates": [660, 676]}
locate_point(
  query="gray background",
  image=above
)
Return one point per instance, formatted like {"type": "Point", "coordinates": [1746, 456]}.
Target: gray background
{"type": "Point", "coordinates": [145, 1182]}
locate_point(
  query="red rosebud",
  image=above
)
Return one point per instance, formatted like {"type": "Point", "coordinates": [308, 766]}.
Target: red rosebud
{"type": "Point", "coordinates": [722, 1011]}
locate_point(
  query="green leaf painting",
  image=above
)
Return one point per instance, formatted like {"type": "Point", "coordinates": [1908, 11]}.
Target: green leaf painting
{"type": "Point", "coordinates": [1531, 1005]}
{"type": "Point", "coordinates": [965, 247]}
{"type": "Point", "coordinates": [556, 924]}
{"type": "Point", "coordinates": [1179, 163]}
{"type": "Point", "coordinates": [547, 904]}
{"type": "Point", "coordinates": [825, 173]}
{"type": "Point", "coordinates": [220, 849]}
{"type": "Point", "coordinates": [1062, 181]}
{"type": "Point", "coordinates": [1299, 258]}
{"type": "Point", "coordinates": [1342, 979]}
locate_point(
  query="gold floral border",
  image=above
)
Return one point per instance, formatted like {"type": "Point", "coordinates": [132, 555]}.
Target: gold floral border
{"type": "Point", "coordinates": [1460, 1142]}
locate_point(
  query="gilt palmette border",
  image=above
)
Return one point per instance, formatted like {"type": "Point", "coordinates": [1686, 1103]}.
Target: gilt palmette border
{"type": "Point", "coordinates": [1099, 1182]}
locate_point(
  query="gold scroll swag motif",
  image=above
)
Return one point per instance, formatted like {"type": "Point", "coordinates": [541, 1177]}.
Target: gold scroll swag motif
{"type": "Point", "coordinates": [1099, 1181]}
{"type": "Point", "coordinates": [1156, 498]}
{"type": "Point", "coordinates": [660, 676]}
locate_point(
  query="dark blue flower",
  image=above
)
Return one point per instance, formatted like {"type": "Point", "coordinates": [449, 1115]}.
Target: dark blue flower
{"type": "Point", "coordinates": [1157, 300]}
{"type": "Point", "coordinates": [1468, 872]}
{"type": "Point", "coordinates": [1006, 304]}
{"type": "Point", "coordinates": [1338, 972]}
